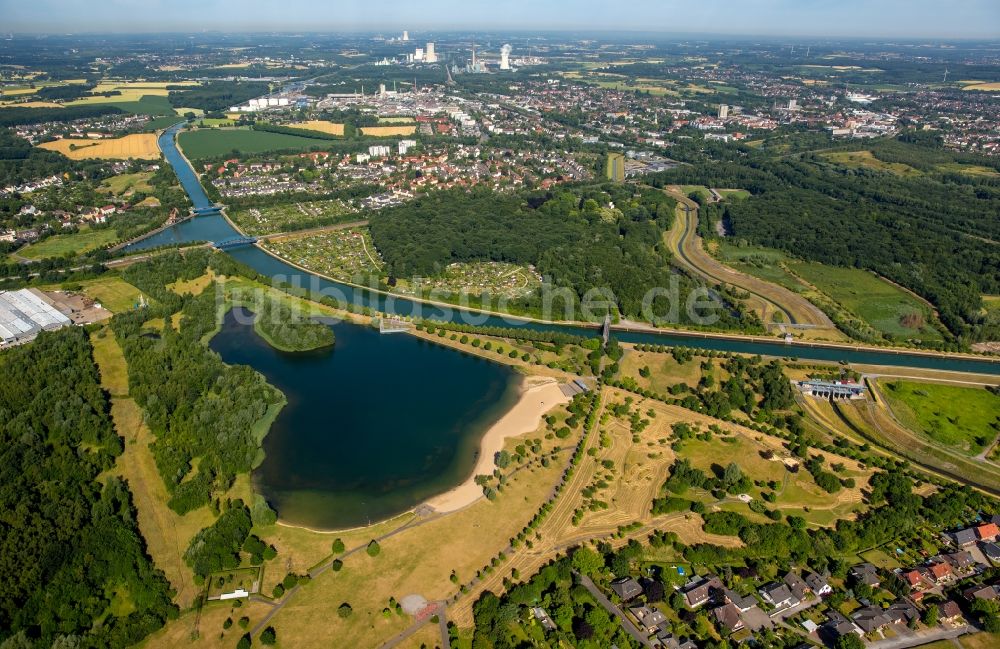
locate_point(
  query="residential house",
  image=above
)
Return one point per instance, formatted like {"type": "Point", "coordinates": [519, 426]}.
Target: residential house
{"type": "Point", "coordinates": [543, 618]}
{"type": "Point", "coordinates": [742, 602]}
{"type": "Point", "coordinates": [701, 591]}
{"type": "Point", "coordinates": [988, 532]}
{"type": "Point", "coordinates": [940, 572]}
{"type": "Point", "coordinates": [626, 588]}
{"type": "Point", "coordinates": [902, 611]}
{"type": "Point", "coordinates": [728, 618]}
{"type": "Point", "coordinates": [950, 612]}
{"type": "Point", "coordinates": [965, 537]}
{"type": "Point", "coordinates": [871, 619]}
{"type": "Point", "coordinates": [981, 592]}
{"type": "Point", "coordinates": [991, 551]}
{"type": "Point", "coordinates": [917, 579]}
{"type": "Point", "coordinates": [961, 561]}
{"type": "Point", "coordinates": [778, 595]}
{"type": "Point", "coordinates": [818, 584]}
{"type": "Point", "coordinates": [648, 618]}
{"type": "Point", "coordinates": [796, 585]}
{"type": "Point", "coordinates": [866, 573]}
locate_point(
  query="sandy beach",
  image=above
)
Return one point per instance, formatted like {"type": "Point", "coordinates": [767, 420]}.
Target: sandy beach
{"type": "Point", "coordinates": [538, 396]}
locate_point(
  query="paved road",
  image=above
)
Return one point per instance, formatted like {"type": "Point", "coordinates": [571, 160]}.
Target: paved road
{"type": "Point", "coordinates": [922, 637]}
{"type": "Point", "coordinates": [588, 583]}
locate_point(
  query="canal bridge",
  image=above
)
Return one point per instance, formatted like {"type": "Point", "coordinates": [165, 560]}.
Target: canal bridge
{"type": "Point", "coordinates": [234, 242]}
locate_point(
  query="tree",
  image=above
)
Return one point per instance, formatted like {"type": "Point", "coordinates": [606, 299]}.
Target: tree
{"type": "Point", "coordinates": [338, 546]}
{"type": "Point", "coordinates": [269, 636]}
{"type": "Point", "coordinates": [244, 642]}
{"type": "Point", "coordinates": [373, 548]}
{"type": "Point", "coordinates": [587, 562]}
{"type": "Point", "coordinates": [930, 616]}
{"type": "Point", "coordinates": [345, 610]}
{"type": "Point", "coordinates": [849, 641]}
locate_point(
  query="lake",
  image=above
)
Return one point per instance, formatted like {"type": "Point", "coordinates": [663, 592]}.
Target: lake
{"type": "Point", "coordinates": [373, 426]}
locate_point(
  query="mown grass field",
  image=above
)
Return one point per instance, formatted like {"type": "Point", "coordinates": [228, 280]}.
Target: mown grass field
{"type": "Point", "coordinates": [210, 143]}
{"type": "Point", "coordinates": [70, 244]}
{"type": "Point", "coordinates": [119, 185]}
{"type": "Point", "coordinates": [137, 145]}
{"type": "Point", "coordinates": [884, 306]}
{"type": "Point", "coordinates": [964, 418]}
{"type": "Point", "coordinates": [114, 294]}
{"type": "Point", "coordinates": [865, 159]}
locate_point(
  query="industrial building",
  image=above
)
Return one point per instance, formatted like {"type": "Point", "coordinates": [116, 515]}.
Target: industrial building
{"type": "Point", "coordinates": [26, 312]}
{"type": "Point", "coordinates": [833, 389]}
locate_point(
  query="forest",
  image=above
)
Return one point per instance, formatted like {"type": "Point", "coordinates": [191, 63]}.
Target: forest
{"type": "Point", "coordinates": [573, 237]}
{"type": "Point", "coordinates": [215, 96]}
{"type": "Point", "coordinates": [933, 233]}
{"type": "Point", "coordinates": [196, 405]}
{"type": "Point", "coordinates": [73, 562]}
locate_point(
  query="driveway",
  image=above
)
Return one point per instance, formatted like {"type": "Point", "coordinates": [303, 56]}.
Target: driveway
{"type": "Point", "coordinates": [614, 610]}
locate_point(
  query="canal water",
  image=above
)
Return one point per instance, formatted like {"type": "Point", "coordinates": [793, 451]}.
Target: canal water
{"type": "Point", "coordinates": [373, 426]}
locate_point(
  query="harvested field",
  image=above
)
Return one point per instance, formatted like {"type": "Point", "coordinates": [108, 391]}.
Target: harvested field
{"type": "Point", "coordinates": [388, 131]}
{"type": "Point", "coordinates": [137, 145]}
{"type": "Point", "coordinates": [330, 128]}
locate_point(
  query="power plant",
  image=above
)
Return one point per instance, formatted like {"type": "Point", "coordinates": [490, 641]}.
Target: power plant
{"type": "Point", "coordinates": [505, 57]}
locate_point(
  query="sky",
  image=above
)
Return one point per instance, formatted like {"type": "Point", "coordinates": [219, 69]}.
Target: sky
{"type": "Point", "coordinates": [789, 18]}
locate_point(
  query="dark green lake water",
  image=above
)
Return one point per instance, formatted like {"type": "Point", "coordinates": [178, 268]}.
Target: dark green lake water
{"type": "Point", "coordinates": [372, 427]}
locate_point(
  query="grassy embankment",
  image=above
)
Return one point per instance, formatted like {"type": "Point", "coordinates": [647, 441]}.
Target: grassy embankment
{"type": "Point", "coordinates": [963, 418]}
{"type": "Point", "coordinates": [856, 295]}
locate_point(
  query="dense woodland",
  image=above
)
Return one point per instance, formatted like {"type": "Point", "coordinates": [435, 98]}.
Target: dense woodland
{"type": "Point", "coordinates": [196, 405]}
{"type": "Point", "coordinates": [934, 233]}
{"type": "Point", "coordinates": [72, 561]}
{"type": "Point", "coordinates": [572, 237]}
{"type": "Point", "coordinates": [215, 96]}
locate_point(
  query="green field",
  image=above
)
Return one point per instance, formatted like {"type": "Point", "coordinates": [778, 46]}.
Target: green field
{"type": "Point", "coordinates": [885, 307]}
{"type": "Point", "coordinates": [70, 244]}
{"type": "Point", "coordinates": [760, 262]}
{"type": "Point", "coordinates": [210, 143]}
{"type": "Point", "coordinates": [965, 419]}
{"type": "Point", "coordinates": [147, 105]}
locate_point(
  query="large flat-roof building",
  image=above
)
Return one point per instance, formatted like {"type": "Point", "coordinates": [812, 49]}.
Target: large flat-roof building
{"type": "Point", "coordinates": [24, 313]}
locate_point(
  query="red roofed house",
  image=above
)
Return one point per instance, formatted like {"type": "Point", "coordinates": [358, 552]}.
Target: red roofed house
{"type": "Point", "coordinates": [940, 571]}
{"type": "Point", "coordinates": [988, 532]}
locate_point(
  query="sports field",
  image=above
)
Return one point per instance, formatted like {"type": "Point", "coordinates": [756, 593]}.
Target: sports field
{"type": "Point", "coordinates": [964, 418]}
{"type": "Point", "coordinates": [137, 145]}
{"type": "Point", "coordinates": [330, 128]}
{"type": "Point", "coordinates": [388, 131]}
{"type": "Point", "coordinates": [210, 143]}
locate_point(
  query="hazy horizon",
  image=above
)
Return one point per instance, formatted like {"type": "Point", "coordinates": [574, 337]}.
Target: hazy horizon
{"type": "Point", "coordinates": [896, 19]}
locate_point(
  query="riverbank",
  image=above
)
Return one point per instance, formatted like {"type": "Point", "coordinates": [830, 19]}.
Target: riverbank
{"type": "Point", "coordinates": [538, 396]}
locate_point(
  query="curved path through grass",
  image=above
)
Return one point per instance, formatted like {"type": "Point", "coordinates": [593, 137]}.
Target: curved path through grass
{"type": "Point", "coordinates": [766, 298]}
